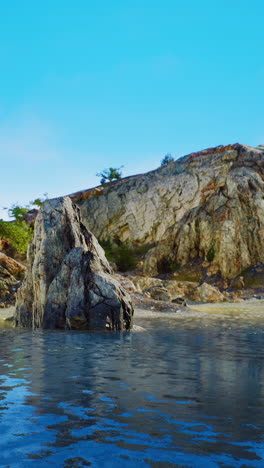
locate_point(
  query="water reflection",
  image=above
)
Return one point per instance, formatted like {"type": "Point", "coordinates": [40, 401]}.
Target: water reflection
{"type": "Point", "coordinates": [185, 392]}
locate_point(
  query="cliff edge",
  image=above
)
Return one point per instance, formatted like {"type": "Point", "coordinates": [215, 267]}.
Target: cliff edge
{"type": "Point", "coordinates": [206, 206]}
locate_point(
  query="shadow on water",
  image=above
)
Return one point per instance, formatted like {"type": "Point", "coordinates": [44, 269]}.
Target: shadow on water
{"type": "Point", "coordinates": [185, 392]}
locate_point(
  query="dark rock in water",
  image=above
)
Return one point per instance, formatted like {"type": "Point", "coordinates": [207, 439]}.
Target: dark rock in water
{"type": "Point", "coordinates": [69, 282]}
{"type": "Point", "coordinates": [180, 300]}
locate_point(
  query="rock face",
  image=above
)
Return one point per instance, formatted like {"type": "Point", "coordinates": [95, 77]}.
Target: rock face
{"type": "Point", "coordinates": [15, 268]}
{"type": "Point", "coordinates": [207, 205]}
{"type": "Point", "coordinates": [69, 282]}
{"type": "Point", "coordinates": [11, 274]}
{"type": "Point", "coordinates": [30, 217]}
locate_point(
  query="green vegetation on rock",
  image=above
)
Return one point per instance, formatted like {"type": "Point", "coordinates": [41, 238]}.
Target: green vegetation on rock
{"type": "Point", "coordinates": [108, 175]}
{"type": "Point", "coordinates": [166, 160]}
{"type": "Point", "coordinates": [122, 254]}
{"type": "Point", "coordinates": [18, 233]}
{"type": "Point", "coordinates": [166, 265]}
{"type": "Point", "coordinates": [210, 254]}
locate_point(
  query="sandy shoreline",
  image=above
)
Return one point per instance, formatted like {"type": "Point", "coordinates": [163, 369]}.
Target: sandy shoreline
{"type": "Point", "coordinates": [242, 308]}
{"type": "Point", "coordinates": [7, 312]}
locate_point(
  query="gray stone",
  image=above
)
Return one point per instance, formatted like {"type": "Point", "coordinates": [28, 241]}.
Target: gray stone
{"type": "Point", "coordinates": [30, 217]}
{"type": "Point", "coordinates": [207, 293]}
{"type": "Point", "coordinates": [69, 282]}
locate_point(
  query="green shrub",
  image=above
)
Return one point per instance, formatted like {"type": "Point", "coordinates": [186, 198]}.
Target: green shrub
{"type": "Point", "coordinates": [108, 249]}
{"type": "Point", "coordinates": [166, 160]}
{"type": "Point", "coordinates": [17, 233]}
{"type": "Point", "coordinates": [125, 258]}
{"type": "Point", "coordinates": [17, 212]}
{"type": "Point", "coordinates": [121, 253]}
{"type": "Point", "coordinates": [166, 265]}
{"type": "Point", "coordinates": [108, 175]}
{"type": "Point", "coordinates": [210, 254]}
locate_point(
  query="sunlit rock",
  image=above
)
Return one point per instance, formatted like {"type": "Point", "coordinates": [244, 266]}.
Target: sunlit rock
{"type": "Point", "coordinates": [207, 205]}
{"type": "Point", "coordinates": [69, 282]}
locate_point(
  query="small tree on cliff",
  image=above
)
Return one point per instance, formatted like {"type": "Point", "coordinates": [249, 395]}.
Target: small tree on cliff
{"type": "Point", "coordinates": [167, 159]}
{"type": "Point", "coordinates": [16, 231]}
{"type": "Point", "coordinates": [108, 175]}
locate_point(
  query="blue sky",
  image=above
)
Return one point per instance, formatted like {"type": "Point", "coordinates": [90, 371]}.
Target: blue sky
{"type": "Point", "coordinates": [90, 84]}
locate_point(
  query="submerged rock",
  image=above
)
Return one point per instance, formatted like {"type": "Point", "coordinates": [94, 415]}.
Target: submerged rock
{"type": "Point", "coordinates": [69, 282]}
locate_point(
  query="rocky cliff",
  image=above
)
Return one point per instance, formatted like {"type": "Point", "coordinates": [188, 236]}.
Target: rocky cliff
{"type": "Point", "coordinates": [11, 274]}
{"type": "Point", "coordinates": [68, 282]}
{"type": "Point", "coordinates": [207, 206]}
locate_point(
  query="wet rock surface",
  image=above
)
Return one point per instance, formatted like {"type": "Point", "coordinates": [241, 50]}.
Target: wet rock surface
{"type": "Point", "coordinates": [69, 282]}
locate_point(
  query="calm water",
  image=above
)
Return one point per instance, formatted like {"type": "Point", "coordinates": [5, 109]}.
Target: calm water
{"type": "Point", "coordinates": [178, 392]}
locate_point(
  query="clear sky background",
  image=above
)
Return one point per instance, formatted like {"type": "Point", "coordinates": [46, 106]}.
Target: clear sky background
{"type": "Point", "coordinates": [89, 84]}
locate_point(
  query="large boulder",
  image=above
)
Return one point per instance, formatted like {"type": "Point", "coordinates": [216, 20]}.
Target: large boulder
{"type": "Point", "coordinates": [69, 282]}
{"type": "Point", "coordinates": [207, 293]}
